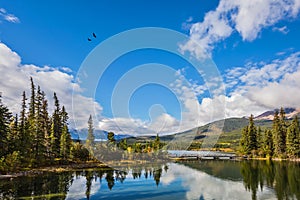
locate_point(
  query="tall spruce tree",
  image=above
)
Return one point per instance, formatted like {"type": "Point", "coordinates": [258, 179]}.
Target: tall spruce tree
{"type": "Point", "coordinates": [24, 129]}
{"type": "Point", "coordinates": [268, 146]}
{"type": "Point", "coordinates": [292, 140]}
{"type": "Point", "coordinates": [90, 140]}
{"type": "Point", "coordinates": [5, 119]}
{"type": "Point", "coordinates": [244, 142]}
{"type": "Point", "coordinates": [252, 132]}
{"type": "Point", "coordinates": [31, 122]}
{"type": "Point", "coordinates": [45, 126]}
{"type": "Point", "coordinates": [13, 135]}
{"type": "Point", "coordinates": [279, 134]}
{"type": "Point", "coordinates": [65, 139]}
{"type": "Point", "coordinates": [39, 134]}
{"type": "Point", "coordinates": [56, 127]}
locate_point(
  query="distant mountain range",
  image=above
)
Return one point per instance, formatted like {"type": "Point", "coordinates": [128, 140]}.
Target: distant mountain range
{"type": "Point", "coordinates": [232, 126]}
{"type": "Point", "coordinates": [100, 135]}
{"type": "Point", "coordinates": [269, 115]}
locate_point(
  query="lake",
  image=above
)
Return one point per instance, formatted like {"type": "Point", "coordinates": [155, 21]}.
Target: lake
{"type": "Point", "coordinates": [185, 180]}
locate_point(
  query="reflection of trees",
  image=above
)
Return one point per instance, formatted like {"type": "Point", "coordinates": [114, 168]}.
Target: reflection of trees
{"type": "Point", "coordinates": [45, 186]}
{"type": "Point", "coordinates": [56, 185]}
{"type": "Point", "coordinates": [282, 176]}
{"type": "Point", "coordinates": [110, 179]}
{"type": "Point", "coordinates": [89, 178]}
{"type": "Point", "coordinates": [157, 175]}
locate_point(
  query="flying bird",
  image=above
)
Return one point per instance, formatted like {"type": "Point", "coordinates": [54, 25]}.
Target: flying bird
{"type": "Point", "coordinates": [89, 39]}
{"type": "Point", "coordinates": [94, 35]}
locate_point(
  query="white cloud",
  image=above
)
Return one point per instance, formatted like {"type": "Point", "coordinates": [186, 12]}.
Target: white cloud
{"type": "Point", "coordinates": [77, 189]}
{"type": "Point", "coordinates": [8, 17]}
{"type": "Point", "coordinates": [283, 29]}
{"type": "Point", "coordinates": [247, 17]}
{"type": "Point", "coordinates": [264, 86]}
{"type": "Point", "coordinates": [15, 78]}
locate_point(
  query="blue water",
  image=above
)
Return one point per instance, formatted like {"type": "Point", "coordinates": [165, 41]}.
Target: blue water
{"type": "Point", "coordinates": [204, 180]}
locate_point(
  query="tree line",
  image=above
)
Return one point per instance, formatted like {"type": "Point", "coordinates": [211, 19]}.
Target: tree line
{"type": "Point", "coordinates": [123, 149]}
{"type": "Point", "coordinates": [34, 137]}
{"type": "Point", "coordinates": [280, 141]}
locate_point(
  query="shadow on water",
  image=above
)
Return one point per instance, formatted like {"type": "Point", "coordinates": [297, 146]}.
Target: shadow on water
{"type": "Point", "coordinates": [281, 178]}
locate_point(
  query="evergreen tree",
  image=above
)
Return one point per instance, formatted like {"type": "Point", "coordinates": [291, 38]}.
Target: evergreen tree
{"type": "Point", "coordinates": [5, 119]}
{"type": "Point", "coordinates": [268, 143]}
{"type": "Point", "coordinates": [65, 139]}
{"type": "Point", "coordinates": [31, 123]}
{"type": "Point", "coordinates": [53, 140]}
{"type": "Point", "coordinates": [279, 134]}
{"type": "Point", "coordinates": [156, 144]}
{"type": "Point", "coordinates": [292, 142]}
{"type": "Point", "coordinates": [45, 126]}
{"type": "Point", "coordinates": [39, 134]}
{"type": "Point", "coordinates": [252, 132]}
{"type": "Point", "coordinates": [244, 142]}
{"type": "Point", "coordinates": [56, 127]}
{"type": "Point", "coordinates": [90, 140]}
{"type": "Point", "coordinates": [32, 100]}
{"type": "Point", "coordinates": [111, 137]}
{"type": "Point", "coordinates": [259, 138]}
{"type": "Point", "coordinates": [63, 143]}
{"type": "Point", "coordinates": [24, 129]}
{"type": "Point", "coordinates": [13, 135]}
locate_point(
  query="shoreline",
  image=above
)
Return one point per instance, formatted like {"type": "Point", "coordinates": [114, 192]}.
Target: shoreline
{"type": "Point", "coordinates": [54, 168]}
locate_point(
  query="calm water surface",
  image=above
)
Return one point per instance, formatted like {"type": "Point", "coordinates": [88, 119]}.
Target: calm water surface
{"type": "Point", "coordinates": [186, 180]}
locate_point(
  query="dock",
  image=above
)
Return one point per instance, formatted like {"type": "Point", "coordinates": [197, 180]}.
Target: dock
{"type": "Point", "coordinates": [201, 155]}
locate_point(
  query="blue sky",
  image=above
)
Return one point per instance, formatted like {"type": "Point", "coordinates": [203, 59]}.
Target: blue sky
{"type": "Point", "coordinates": [254, 45]}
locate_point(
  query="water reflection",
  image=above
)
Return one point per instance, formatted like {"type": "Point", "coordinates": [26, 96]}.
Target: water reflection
{"type": "Point", "coordinates": [186, 180]}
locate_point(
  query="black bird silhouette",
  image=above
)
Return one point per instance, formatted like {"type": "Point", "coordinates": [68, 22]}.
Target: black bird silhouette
{"type": "Point", "coordinates": [89, 39]}
{"type": "Point", "coordinates": [94, 35]}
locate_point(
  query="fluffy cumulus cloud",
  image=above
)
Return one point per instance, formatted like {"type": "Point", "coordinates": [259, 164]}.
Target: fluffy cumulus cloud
{"type": "Point", "coordinates": [8, 16]}
{"type": "Point", "coordinates": [15, 78]}
{"type": "Point", "coordinates": [247, 18]}
{"type": "Point", "coordinates": [268, 85]}
{"type": "Point", "coordinates": [251, 89]}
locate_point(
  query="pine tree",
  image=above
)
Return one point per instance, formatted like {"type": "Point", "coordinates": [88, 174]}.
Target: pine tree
{"type": "Point", "coordinates": [53, 150]}
{"type": "Point", "coordinates": [46, 126]}
{"type": "Point", "coordinates": [24, 129]}
{"type": "Point", "coordinates": [279, 134]}
{"type": "Point", "coordinates": [5, 119]}
{"type": "Point", "coordinates": [65, 139]}
{"type": "Point", "coordinates": [56, 127]}
{"type": "Point", "coordinates": [39, 134]}
{"type": "Point", "coordinates": [252, 132]}
{"type": "Point", "coordinates": [13, 135]}
{"type": "Point", "coordinates": [31, 123]}
{"type": "Point", "coordinates": [244, 142]}
{"type": "Point", "coordinates": [90, 140]}
{"type": "Point", "coordinates": [259, 138]}
{"type": "Point", "coordinates": [111, 137]}
{"type": "Point", "coordinates": [292, 141]}
{"type": "Point", "coordinates": [268, 143]}
{"type": "Point", "coordinates": [32, 100]}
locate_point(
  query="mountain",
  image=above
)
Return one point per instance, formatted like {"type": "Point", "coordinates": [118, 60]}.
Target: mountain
{"type": "Point", "coordinates": [269, 115]}
{"type": "Point", "coordinates": [100, 135]}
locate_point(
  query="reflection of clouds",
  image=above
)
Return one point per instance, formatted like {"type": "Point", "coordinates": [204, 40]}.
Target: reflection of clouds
{"type": "Point", "coordinates": [167, 178]}
{"type": "Point", "coordinates": [198, 184]}
{"type": "Point", "coordinates": [78, 188]}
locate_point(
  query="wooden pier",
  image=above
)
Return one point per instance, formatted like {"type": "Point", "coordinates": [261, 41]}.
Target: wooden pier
{"type": "Point", "coordinates": [201, 155]}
